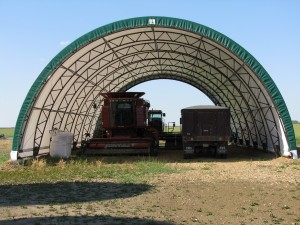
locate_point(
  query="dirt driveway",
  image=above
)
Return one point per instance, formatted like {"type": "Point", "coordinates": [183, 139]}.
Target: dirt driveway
{"type": "Point", "coordinates": [246, 188]}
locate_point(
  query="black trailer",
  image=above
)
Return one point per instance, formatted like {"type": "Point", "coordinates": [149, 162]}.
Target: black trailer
{"type": "Point", "coordinates": [205, 130]}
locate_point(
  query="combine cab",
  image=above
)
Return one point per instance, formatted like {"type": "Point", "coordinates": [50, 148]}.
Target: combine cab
{"type": "Point", "coordinates": [123, 127]}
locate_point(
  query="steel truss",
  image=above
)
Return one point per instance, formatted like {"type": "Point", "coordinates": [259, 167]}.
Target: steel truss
{"type": "Point", "coordinates": [70, 99]}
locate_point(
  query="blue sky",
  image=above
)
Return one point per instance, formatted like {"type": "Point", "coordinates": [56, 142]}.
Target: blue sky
{"type": "Point", "coordinates": [34, 31]}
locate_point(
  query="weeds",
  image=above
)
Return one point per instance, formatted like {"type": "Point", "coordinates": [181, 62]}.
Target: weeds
{"type": "Point", "coordinates": [55, 170]}
{"type": "Point", "coordinates": [205, 168]}
{"type": "Point", "coordinates": [5, 147]}
{"type": "Point", "coordinates": [285, 207]}
{"type": "Point", "coordinates": [254, 203]}
{"type": "Point", "coordinates": [38, 164]}
{"type": "Point", "coordinates": [209, 213]}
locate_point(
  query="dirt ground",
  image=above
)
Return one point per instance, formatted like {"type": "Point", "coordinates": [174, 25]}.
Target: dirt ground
{"type": "Point", "coordinates": [246, 188]}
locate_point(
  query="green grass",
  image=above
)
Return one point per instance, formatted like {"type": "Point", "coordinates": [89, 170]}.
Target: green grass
{"type": "Point", "coordinates": [5, 147]}
{"type": "Point", "coordinates": [175, 129]}
{"type": "Point", "coordinates": [53, 170]}
{"type": "Point", "coordinates": [5, 144]}
{"type": "Point", "coordinates": [297, 133]}
{"type": "Point", "coordinates": [8, 132]}
{"type": "Point", "coordinates": [4, 156]}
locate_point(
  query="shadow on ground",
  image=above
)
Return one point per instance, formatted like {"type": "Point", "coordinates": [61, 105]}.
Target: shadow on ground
{"type": "Point", "coordinates": [235, 154]}
{"type": "Point", "coordinates": [66, 192]}
{"type": "Point", "coordinates": [103, 220]}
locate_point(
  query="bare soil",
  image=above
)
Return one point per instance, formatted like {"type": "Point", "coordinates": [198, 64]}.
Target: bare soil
{"type": "Point", "coordinates": [248, 187]}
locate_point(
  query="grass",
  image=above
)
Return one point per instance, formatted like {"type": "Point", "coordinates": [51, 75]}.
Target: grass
{"type": "Point", "coordinates": [5, 147]}
{"type": "Point", "coordinates": [175, 129]}
{"type": "Point", "coordinates": [297, 133]}
{"type": "Point", "coordinates": [53, 170]}
{"type": "Point", "coordinates": [5, 144]}
{"type": "Point", "coordinates": [8, 132]}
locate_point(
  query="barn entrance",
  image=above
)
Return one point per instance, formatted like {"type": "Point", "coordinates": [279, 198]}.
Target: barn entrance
{"type": "Point", "coordinates": [118, 56]}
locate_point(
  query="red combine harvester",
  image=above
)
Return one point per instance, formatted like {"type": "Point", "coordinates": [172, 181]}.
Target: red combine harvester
{"type": "Point", "coordinates": [124, 127]}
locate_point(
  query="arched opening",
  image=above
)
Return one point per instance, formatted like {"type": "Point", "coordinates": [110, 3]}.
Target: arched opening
{"type": "Point", "coordinates": [171, 96]}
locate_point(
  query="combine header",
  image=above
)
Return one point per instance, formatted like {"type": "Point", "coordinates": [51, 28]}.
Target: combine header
{"type": "Point", "coordinates": [124, 127]}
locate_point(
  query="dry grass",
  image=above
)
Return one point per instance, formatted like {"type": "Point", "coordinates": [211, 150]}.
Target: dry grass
{"type": "Point", "coordinates": [5, 148]}
{"type": "Point", "coordinates": [38, 164]}
{"type": "Point", "coordinates": [5, 145]}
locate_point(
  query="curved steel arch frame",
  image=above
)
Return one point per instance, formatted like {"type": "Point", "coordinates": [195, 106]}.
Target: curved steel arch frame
{"type": "Point", "coordinates": [118, 56]}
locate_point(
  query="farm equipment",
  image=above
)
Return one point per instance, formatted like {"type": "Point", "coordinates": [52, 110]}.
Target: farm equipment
{"type": "Point", "coordinates": [171, 139]}
{"type": "Point", "coordinates": [123, 127]}
{"type": "Point", "coordinates": [205, 130]}
{"type": "Point", "coordinates": [155, 118]}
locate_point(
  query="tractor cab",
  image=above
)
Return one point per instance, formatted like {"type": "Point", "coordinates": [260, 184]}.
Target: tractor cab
{"type": "Point", "coordinates": [155, 119]}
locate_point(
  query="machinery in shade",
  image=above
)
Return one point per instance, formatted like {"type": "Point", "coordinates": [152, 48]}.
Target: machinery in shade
{"type": "Point", "coordinates": [205, 130]}
{"type": "Point", "coordinates": [172, 140]}
{"type": "Point", "coordinates": [123, 127]}
{"type": "Point", "coordinates": [155, 118]}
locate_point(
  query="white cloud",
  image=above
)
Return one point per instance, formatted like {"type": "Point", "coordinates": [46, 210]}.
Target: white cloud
{"type": "Point", "coordinates": [64, 43]}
